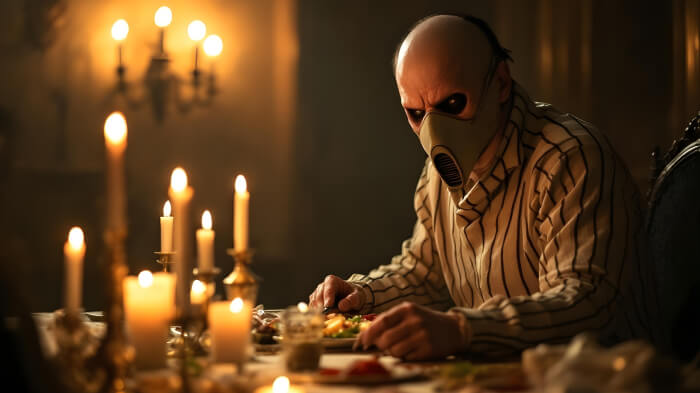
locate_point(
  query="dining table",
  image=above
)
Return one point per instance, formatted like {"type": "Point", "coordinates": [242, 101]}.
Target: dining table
{"type": "Point", "coordinates": [267, 364]}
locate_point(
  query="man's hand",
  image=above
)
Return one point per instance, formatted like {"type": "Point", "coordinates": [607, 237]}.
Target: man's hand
{"type": "Point", "coordinates": [414, 332]}
{"type": "Point", "coordinates": [336, 292]}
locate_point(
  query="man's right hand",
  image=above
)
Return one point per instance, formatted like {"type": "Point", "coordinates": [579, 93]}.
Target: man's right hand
{"type": "Point", "coordinates": [336, 292]}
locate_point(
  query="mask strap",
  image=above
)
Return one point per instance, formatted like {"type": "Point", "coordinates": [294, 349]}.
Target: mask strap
{"type": "Point", "coordinates": [486, 84]}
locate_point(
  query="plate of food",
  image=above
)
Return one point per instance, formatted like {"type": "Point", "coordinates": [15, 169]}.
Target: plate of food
{"type": "Point", "coordinates": [339, 331]}
{"type": "Point", "coordinates": [368, 371]}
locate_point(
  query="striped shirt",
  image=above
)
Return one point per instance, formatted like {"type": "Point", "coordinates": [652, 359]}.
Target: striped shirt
{"type": "Point", "coordinates": [544, 246]}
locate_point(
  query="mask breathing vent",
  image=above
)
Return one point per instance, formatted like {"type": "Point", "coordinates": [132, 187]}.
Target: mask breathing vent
{"type": "Point", "coordinates": [448, 170]}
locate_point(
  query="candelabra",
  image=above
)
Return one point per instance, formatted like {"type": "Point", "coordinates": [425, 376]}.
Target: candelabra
{"type": "Point", "coordinates": [162, 86]}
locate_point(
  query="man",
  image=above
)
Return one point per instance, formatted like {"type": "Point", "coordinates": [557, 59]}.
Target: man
{"type": "Point", "coordinates": [528, 223]}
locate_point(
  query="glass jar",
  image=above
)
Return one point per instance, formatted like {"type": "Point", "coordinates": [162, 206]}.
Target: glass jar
{"type": "Point", "coordinates": [302, 331]}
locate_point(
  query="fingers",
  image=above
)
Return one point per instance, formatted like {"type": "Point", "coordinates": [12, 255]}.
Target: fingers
{"type": "Point", "coordinates": [334, 287]}
{"type": "Point", "coordinates": [353, 302]}
{"type": "Point", "coordinates": [316, 297]}
{"type": "Point", "coordinates": [410, 348]}
{"type": "Point", "coordinates": [384, 322]}
{"type": "Point", "coordinates": [395, 335]}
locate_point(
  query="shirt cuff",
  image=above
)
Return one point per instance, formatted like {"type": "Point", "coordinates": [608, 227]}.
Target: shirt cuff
{"type": "Point", "coordinates": [465, 327]}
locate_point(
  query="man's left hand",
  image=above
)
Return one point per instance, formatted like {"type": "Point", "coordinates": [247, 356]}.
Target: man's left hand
{"type": "Point", "coordinates": [414, 332]}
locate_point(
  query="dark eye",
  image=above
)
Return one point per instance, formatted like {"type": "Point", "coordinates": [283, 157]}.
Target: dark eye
{"type": "Point", "coordinates": [416, 114]}
{"type": "Point", "coordinates": [453, 104]}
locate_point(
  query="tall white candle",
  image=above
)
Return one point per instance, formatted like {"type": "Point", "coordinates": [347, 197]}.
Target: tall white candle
{"type": "Point", "coordinates": [74, 252]}
{"type": "Point", "coordinates": [229, 327]}
{"type": "Point", "coordinates": [241, 200]}
{"type": "Point", "coordinates": [205, 244]}
{"type": "Point", "coordinates": [148, 307]}
{"type": "Point", "coordinates": [166, 229]}
{"type": "Point", "coordinates": [181, 195]}
{"type": "Point", "coordinates": [115, 131]}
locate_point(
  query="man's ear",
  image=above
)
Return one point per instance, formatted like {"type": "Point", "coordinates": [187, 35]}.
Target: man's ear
{"type": "Point", "coordinates": [505, 82]}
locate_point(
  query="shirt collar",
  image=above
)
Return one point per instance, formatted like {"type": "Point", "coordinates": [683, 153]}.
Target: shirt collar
{"type": "Point", "coordinates": [510, 155]}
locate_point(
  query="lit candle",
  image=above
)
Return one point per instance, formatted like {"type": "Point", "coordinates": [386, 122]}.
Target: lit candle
{"type": "Point", "coordinates": [148, 308]}
{"type": "Point", "coordinates": [213, 45]}
{"type": "Point", "coordinates": [241, 200]}
{"type": "Point", "coordinates": [120, 29]}
{"type": "Point", "coordinates": [205, 244]}
{"type": "Point", "coordinates": [181, 195]}
{"type": "Point", "coordinates": [166, 229]}
{"type": "Point", "coordinates": [74, 252]}
{"type": "Point", "coordinates": [229, 327]}
{"type": "Point", "coordinates": [198, 293]}
{"type": "Point", "coordinates": [280, 385]}
{"type": "Point", "coordinates": [115, 141]}
{"type": "Point", "coordinates": [162, 18]}
{"type": "Point", "coordinates": [196, 30]}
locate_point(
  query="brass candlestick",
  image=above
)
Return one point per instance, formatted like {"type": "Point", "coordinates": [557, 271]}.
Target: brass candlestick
{"type": "Point", "coordinates": [166, 260]}
{"type": "Point", "coordinates": [114, 354]}
{"type": "Point", "coordinates": [242, 282]}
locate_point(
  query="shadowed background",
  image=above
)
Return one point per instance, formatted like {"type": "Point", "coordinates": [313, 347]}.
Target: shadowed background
{"type": "Point", "coordinates": [306, 108]}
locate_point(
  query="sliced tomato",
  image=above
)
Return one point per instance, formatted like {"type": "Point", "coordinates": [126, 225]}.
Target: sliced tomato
{"type": "Point", "coordinates": [369, 317]}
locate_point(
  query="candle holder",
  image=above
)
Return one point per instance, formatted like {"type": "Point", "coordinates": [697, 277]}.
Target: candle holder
{"type": "Point", "coordinates": [114, 354]}
{"type": "Point", "coordinates": [242, 282]}
{"type": "Point", "coordinates": [166, 260]}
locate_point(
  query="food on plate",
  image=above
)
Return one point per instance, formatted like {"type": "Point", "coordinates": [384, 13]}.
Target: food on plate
{"type": "Point", "coordinates": [266, 326]}
{"type": "Point", "coordinates": [369, 367]}
{"type": "Point", "coordinates": [345, 326]}
{"type": "Point", "coordinates": [496, 376]}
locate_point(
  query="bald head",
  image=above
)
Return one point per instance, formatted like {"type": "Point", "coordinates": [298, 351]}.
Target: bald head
{"type": "Point", "coordinates": [445, 43]}
{"type": "Point", "coordinates": [444, 63]}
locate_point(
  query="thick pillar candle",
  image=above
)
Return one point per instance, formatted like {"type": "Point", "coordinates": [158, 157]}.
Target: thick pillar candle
{"type": "Point", "coordinates": [115, 131]}
{"type": "Point", "coordinates": [74, 252]}
{"type": "Point", "coordinates": [241, 200]}
{"type": "Point", "coordinates": [166, 229]}
{"type": "Point", "coordinates": [229, 327]}
{"type": "Point", "coordinates": [181, 195]}
{"type": "Point", "coordinates": [205, 244]}
{"type": "Point", "coordinates": [148, 307]}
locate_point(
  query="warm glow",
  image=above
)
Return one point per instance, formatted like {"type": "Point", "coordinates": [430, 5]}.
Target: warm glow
{"type": "Point", "coordinates": [281, 385]}
{"type": "Point", "coordinates": [76, 238]}
{"type": "Point", "coordinates": [213, 45]}
{"type": "Point", "coordinates": [303, 307]}
{"type": "Point", "coordinates": [206, 220]}
{"type": "Point", "coordinates": [236, 305]}
{"type": "Point", "coordinates": [240, 185]}
{"type": "Point", "coordinates": [120, 29]}
{"type": "Point", "coordinates": [198, 287]}
{"type": "Point", "coordinates": [163, 16]}
{"type": "Point", "coordinates": [196, 30]}
{"type": "Point", "coordinates": [178, 180]}
{"type": "Point", "coordinates": [115, 128]}
{"type": "Point", "coordinates": [145, 279]}
{"type": "Point", "coordinates": [167, 209]}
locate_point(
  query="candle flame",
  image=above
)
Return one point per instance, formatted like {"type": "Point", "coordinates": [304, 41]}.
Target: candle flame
{"type": "Point", "coordinates": [280, 385]}
{"type": "Point", "coordinates": [167, 209]}
{"type": "Point", "coordinates": [163, 16]}
{"type": "Point", "coordinates": [178, 180]}
{"type": "Point", "coordinates": [120, 29]}
{"type": "Point", "coordinates": [236, 305]}
{"type": "Point", "coordinates": [303, 307]}
{"type": "Point", "coordinates": [241, 185]}
{"type": "Point", "coordinates": [145, 279]}
{"type": "Point", "coordinates": [198, 287]}
{"type": "Point", "coordinates": [76, 238]}
{"type": "Point", "coordinates": [196, 30]}
{"type": "Point", "coordinates": [213, 45]}
{"type": "Point", "coordinates": [206, 220]}
{"type": "Point", "coordinates": [115, 128]}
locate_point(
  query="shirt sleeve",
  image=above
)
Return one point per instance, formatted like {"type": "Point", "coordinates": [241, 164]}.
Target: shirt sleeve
{"type": "Point", "coordinates": [414, 275]}
{"type": "Point", "coordinates": [583, 218]}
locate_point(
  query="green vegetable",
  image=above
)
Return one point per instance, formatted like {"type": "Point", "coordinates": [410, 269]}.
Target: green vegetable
{"type": "Point", "coordinates": [346, 333]}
